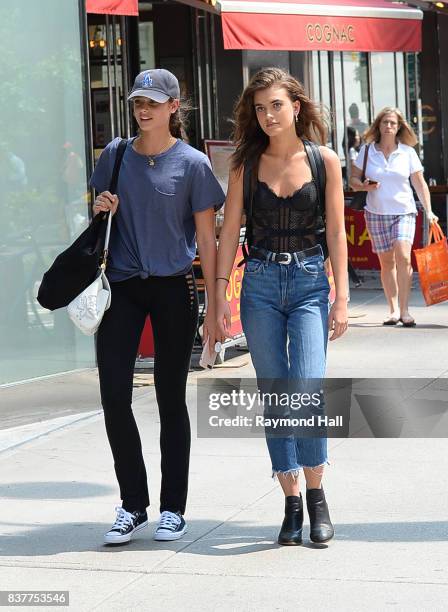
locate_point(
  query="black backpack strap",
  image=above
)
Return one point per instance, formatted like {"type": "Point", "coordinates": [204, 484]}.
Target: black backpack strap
{"type": "Point", "coordinates": [248, 201]}
{"type": "Point", "coordinates": [318, 171]}
{"type": "Point", "coordinates": [112, 188]}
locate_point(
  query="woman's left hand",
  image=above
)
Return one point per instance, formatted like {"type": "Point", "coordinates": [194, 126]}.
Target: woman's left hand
{"type": "Point", "coordinates": [209, 330]}
{"type": "Point", "coordinates": [432, 218]}
{"type": "Point", "coordinates": [338, 319]}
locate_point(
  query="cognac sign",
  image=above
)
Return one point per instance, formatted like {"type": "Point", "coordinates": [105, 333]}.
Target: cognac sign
{"type": "Point", "coordinates": [330, 34]}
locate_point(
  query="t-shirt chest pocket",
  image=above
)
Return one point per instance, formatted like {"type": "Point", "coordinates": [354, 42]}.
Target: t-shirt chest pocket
{"type": "Point", "coordinates": [165, 191]}
{"type": "Point", "coordinates": [165, 187]}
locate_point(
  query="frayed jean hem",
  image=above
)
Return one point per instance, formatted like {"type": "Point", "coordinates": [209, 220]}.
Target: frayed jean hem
{"type": "Point", "coordinates": [294, 472]}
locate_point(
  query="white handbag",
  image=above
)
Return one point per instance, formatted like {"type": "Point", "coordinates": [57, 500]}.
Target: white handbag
{"type": "Point", "coordinates": [88, 308]}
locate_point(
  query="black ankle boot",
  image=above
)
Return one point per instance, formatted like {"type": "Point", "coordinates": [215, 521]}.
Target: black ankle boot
{"type": "Point", "coordinates": [321, 528]}
{"type": "Point", "coordinates": [291, 531]}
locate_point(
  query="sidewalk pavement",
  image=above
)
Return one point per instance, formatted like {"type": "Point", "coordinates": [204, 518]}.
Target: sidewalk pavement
{"type": "Point", "coordinates": [387, 498]}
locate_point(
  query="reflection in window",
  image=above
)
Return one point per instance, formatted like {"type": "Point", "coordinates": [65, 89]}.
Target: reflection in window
{"type": "Point", "coordinates": [316, 93]}
{"type": "Point", "coordinates": [256, 60]}
{"type": "Point", "coordinates": [43, 191]}
{"type": "Point", "coordinates": [339, 110]}
{"type": "Point", "coordinates": [356, 91]}
{"type": "Point", "coordinates": [383, 81]}
{"type": "Point", "coordinates": [321, 85]}
{"type": "Point", "coordinates": [401, 83]}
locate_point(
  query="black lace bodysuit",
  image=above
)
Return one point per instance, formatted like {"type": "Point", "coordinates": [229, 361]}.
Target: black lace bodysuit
{"type": "Point", "coordinates": [287, 224]}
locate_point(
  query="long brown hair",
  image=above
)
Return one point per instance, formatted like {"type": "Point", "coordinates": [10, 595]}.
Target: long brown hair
{"type": "Point", "coordinates": [251, 141]}
{"type": "Point", "coordinates": [179, 120]}
{"type": "Point", "coordinates": [405, 134]}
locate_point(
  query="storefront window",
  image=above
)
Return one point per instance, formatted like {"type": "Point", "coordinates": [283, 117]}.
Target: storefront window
{"type": "Point", "coordinates": [146, 42]}
{"type": "Point", "coordinates": [43, 190]}
{"type": "Point", "coordinates": [356, 90]}
{"type": "Point", "coordinates": [339, 108]}
{"type": "Point", "coordinates": [315, 79]}
{"type": "Point", "coordinates": [383, 81]}
{"type": "Point", "coordinates": [324, 78]}
{"type": "Point", "coordinates": [256, 60]}
{"type": "Point", "coordinates": [401, 83]}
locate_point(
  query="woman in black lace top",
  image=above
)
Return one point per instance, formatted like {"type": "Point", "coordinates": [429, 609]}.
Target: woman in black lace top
{"type": "Point", "coordinates": [292, 215]}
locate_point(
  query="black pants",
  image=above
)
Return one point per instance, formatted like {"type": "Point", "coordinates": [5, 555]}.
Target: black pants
{"type": "Point", "coordinates": [172, 304]}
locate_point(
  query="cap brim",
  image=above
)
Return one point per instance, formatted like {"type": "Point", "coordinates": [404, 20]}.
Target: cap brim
{"type": "Point", "coordinates": [157, 96]}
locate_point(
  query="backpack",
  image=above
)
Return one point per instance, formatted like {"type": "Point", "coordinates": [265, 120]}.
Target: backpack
{"type": "Point", "coordinates": [317, 166]}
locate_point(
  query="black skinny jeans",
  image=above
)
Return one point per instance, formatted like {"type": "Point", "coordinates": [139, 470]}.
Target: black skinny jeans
{"type": "Point", "coordinates": [172, 304]}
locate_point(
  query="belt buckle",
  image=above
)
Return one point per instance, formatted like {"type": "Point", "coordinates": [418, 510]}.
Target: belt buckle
{"type": "Point", "coordinates": [288, 258]}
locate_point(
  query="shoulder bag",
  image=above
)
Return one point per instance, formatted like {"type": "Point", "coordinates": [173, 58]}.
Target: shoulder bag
{"type": "Point", "coordinates": [79, 265]}
{"type": "Point", "coordinates": [359, 198]}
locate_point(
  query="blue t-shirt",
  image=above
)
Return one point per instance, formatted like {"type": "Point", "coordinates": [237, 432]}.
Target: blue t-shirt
{"type": "Point", "coordinates": [154, 233]}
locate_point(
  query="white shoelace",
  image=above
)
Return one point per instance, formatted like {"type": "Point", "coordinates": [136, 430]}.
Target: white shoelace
{"type": "Point", "coordinates": [168, 520]}
{"type": "Point", "coordinates": [124, 518]}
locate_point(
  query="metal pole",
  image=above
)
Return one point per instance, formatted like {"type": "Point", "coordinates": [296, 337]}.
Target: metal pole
{"type": "Point", "coordinates": [214, 78]}
{"type": "Point", "coordinates": [109, 81]}
{"type": "Point", "coordinates": [125, 74]}
{"type": "Point", "coordinates": [87, 100]}
{"type": "Point", "coordinates": [334, 130]}
{"type": "Point", "coordinates": [396, 80]}
{"type": "Point", "coordinates": [369, 80]}
{"type": "Point", "coordinates": [406, 85]}
{"type": "Point", "coordinates": [117, 90]}
{"type": "Point", "coordinates": [347, 160]}
{"type": "Point", "coordinates": [319, 70]}
{"type": "Point", "coordinates": [199, 73]}
{"type": "Point", "coordinates": [208, 84]}
{"type": "Point", "coordinates": [418, 99]}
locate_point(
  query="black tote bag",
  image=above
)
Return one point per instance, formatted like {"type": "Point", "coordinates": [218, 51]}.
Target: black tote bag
{"type": "Point", "coordinates": [359, 199]}
{"type": "Point", "coordinates": [76, 267]}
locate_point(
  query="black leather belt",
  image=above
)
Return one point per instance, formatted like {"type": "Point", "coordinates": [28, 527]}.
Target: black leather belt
{"type": "Point", "coordinates": [284, 258]}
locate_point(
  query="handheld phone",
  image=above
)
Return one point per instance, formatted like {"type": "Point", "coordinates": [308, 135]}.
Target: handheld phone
{"type": "Point", "coordinates": [372, 182]}
{"type": "Point", "coordinates": [207, 360]}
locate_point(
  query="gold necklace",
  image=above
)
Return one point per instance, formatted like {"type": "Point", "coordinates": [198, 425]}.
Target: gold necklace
{"type": "Point", "coordinates": [151, 160]}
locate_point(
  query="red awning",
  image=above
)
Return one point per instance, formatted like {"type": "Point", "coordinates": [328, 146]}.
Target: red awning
{"type": "Point", "coordinates": [321, 25]}
{"type": "Point", "coordinates": [113, 7]}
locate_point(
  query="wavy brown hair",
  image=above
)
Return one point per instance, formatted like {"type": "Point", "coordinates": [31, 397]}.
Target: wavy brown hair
{"type": "Point", "coordinates": [249, 138]}
{"type": "Point", "coordinates": [405, 134]}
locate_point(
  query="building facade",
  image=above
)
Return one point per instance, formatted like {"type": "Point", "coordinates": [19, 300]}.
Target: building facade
{"type": "Point", "coordinates": [64, 89]}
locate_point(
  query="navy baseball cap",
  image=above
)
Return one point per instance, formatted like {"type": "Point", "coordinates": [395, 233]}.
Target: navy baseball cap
{"type": "Point", "coordinates": [158, 84]}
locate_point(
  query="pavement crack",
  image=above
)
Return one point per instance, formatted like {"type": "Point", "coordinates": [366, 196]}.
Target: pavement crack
{"type": "Point", "coordinates": [131, 582]}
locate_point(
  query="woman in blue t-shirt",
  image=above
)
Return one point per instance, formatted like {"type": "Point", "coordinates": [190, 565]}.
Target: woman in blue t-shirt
{"type": "Point", "coordinates": [166, 196]}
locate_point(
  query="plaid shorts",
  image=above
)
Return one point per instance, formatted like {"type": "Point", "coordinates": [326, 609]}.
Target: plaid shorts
{"type": "Point", "coordinates": [384, 230]}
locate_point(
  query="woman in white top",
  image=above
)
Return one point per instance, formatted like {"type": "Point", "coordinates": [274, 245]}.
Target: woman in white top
{"type": "Point", "coordinates": [390, 211]}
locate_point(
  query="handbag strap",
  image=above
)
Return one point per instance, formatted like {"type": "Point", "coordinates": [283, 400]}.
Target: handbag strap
{"type": "Point", "coordinates": [364, 163]}
{"type": "Point", "coordinates": [435, 231]}
{"type": "Point", "coordinates": [112, 188]}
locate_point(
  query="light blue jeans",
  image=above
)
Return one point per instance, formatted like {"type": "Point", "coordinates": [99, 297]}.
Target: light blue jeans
{"type": "Point", "coordinates": [284, 312]}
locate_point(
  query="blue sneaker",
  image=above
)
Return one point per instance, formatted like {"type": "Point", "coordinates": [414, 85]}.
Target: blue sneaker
{"type": "Point", "coordinates": [171, 526]}
{"type": "Point", "coordinates": [126, 524]}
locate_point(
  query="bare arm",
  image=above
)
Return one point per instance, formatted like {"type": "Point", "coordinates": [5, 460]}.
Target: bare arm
{"type": "Point", "coordinates": [228, 244]}
{"type": "Point", "coordinates": [422, 190]}
{"type": "Point", "coordinates": [206, 240]}
{"type": "Point", "coordinates": [355, 181]}
{"type": "Point", "coordinates": [336, 240]}
{"type": "Point", "coordinates": [230, 231]}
